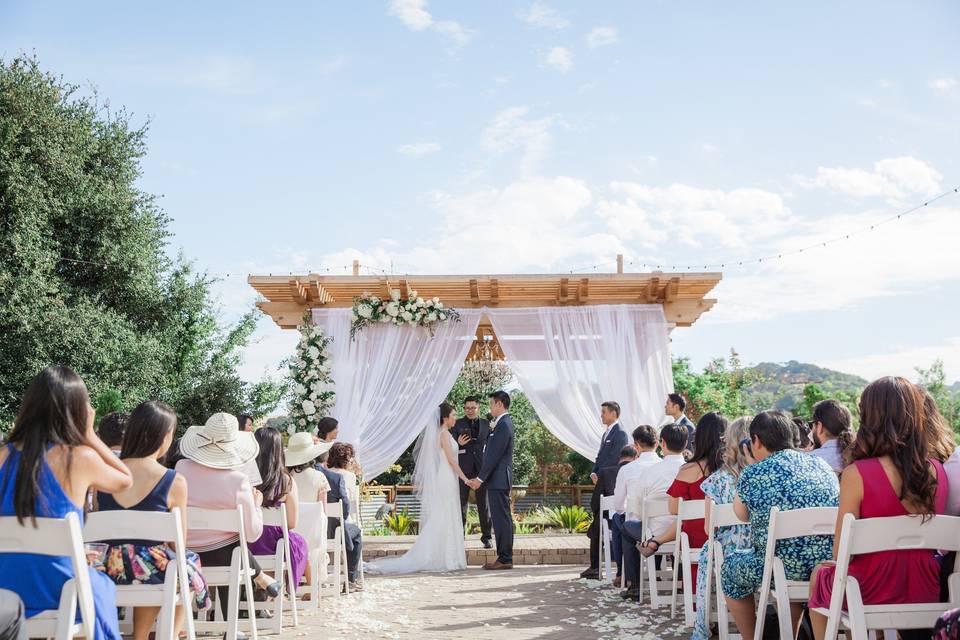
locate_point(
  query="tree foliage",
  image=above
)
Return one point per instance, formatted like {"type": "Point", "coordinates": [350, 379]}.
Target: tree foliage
{"type": "Point", "coordinates": [85, 277]}
{"type": "Point", "coordinates": [720, 387]}
{"type": "Point", "coordinates": [934, 380]}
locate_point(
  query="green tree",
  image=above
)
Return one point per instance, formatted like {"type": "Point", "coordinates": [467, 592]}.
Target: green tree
{"type": "Point", "coordinates": [934, 380]}
{"type": "Point", "coordinates": [720, 387]}
{"type": "Point", "coordinates": [85, 276]}
{"type": "Point", "coordinates": [549, 455]}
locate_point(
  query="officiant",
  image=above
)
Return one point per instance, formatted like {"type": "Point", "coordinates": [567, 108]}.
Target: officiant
{"type": "Point", "coordinates": [471, 433]}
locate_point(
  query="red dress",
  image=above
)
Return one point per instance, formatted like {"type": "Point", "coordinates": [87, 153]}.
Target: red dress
{"type": "Point", "coordinates": [888, 577]}
{"type": "Point", "coordinates": [693, 528]}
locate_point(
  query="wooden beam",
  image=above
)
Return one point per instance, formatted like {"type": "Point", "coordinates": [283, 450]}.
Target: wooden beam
{"type": "Point", "coordinates": [385, 285]}
{"type": "Point", "coordinates": [672, 289]}
{"type": "Point", "coordinates": [298, 292]}
{"type": "Point", "coordinates": [583, 291]}
{"type": "Point", "coordinates": [404, 290]}
{"type": "Point", "coordinates": [653, 290]}
{"type": "Point", "coordinates": [494, 291]}
{"type": "Point", "coordinates": [619, 263]}
{"type": "Point", "coordinates": [563, 293]}
{"type": "Point", "coordinates": [319, 294]}
{"type": "Point", "coordinates": [474, 291]}
{"type": "Point", "coordinates": [356, 267]}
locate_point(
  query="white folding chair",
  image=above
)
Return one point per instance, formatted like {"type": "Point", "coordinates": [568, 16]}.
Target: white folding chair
{"type": "Point", "coordinates": [55, 537]}
{"type": "Point", "coordinates": [282, 568]}
{"type": "Point", "coordinates": [339, 580]}
{"type": "Point", "coordinates": [237, 574]}
{"type": "Point", "coordinates": [606, 540]}
{"type": "Point", "coordinates": [656, 507]}
{"type": "Point", "coordinates": [721, 515]}
{"type": "Point", "coordinates": [684, 557]}
{"type": "Point", "coordinates": [784, 525]}
{"type": "Point", "coordinates": [317, 554]}
{"type": "Point", "coordinates": [162, 526]}
{"type": "Point", "coordinates": [870, 535]}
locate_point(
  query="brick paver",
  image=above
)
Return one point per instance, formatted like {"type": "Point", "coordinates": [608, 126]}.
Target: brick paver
{"type": "Point", "coordinates": [548, 602]}
{"type": "Point", "coordinates": [527, 549]}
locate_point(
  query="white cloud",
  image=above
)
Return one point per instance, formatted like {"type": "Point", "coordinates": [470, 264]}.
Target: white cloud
{"type": "Point", "coordinates": [510, 130]}
{"type": "Point", "coordinates": [903, 361]}
{"type": "Point", "coordinates": [943, 84]}
{"type": "Point", "coordinates": [710, 149]}
{"type": "Point", "coordinates": [414, 14]}
{"type": "Point", "coordinates": [886, 83]}
{"type": "Point", "coordinates": [890, 178]}
{"type": "Point", "coordinates": [602, 36]}
{"type": "Point", "coordinates": [869, 103]}
{"type": "Point", "coordinates": [542, 15]}
{"type": "Point", "coordinates": [560, 58]}
{"type": "Point", "coordinates": [332, 65]}
{"type": "Point", "coordinates": [418, 149]}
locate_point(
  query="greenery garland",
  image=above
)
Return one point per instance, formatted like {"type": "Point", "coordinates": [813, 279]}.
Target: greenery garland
{"type": "Point", "coordinates": [312, 386]}
{"type": "Point", "coordinates": [414, 311]}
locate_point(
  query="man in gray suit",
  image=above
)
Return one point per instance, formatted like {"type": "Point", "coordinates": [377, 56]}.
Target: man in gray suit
{"type": "Point", "coordinates": [496, 476]}
{"type": "Point", "coordinates": [611, 444]}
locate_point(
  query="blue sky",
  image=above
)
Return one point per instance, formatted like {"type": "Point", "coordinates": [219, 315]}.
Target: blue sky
{"type": "Point", "coordinates": [547, 136]}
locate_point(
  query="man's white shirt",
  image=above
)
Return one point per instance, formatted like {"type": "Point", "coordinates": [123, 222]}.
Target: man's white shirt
{"type": "Point", "coordinates": [627, 473]}
{"type": "Point", "coordinates": [653, 482]}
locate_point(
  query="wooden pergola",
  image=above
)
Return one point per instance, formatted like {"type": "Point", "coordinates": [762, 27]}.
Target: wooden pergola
{"type": "Point", "coordinates": [683, 295]}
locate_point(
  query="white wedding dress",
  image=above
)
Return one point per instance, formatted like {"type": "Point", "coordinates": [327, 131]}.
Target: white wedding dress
{"type": "Point", "coordinates": [439, 543]}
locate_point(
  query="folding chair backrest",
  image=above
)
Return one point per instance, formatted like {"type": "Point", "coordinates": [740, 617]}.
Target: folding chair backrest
{"type": "Point", "coordinates": [901, 533]}
{"type": "Point", "coordinates": [656, 507]}
{"type": "Point", "coordinates": [334, 509]}
{"type": "Point", "coordinates": [634, 507]}
{"type": "Point", "coordinates": [225, 520]}
{"type": "Point", "coordinates": [795, 523]}
{"type": "Point", "coordinates": [606, 503]}
{"type": "Point", "coordinates": [723, 515]}
{"type": "Point", "coordinates": [275, 517]}
{"type": "Point", "coordinates": [691, 510]}
{"type": "Point", "coordinates": [161, 526]}
{"type": "Point", "coordinates": [54, 537]}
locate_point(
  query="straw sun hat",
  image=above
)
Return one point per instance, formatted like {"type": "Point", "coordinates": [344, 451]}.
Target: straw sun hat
{"type": "Point", "coordinates": [219, 443]}
{"type": "Point", "coordinates": [301, 449]}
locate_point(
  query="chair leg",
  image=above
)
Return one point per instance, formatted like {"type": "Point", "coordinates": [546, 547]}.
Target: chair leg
{"type": "Point", "coordinates": [688, 615]}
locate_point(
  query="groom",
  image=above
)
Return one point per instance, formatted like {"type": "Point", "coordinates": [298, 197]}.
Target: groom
{"type": "Point", "coordinates": [496, 476]}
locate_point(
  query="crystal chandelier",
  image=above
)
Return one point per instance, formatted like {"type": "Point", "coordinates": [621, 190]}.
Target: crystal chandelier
{"type": "Point", "coordinates": [485, 370]}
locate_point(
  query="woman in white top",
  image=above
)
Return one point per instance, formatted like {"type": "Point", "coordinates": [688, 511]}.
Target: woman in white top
{"type": "Point", "coordinates": [300, 458]}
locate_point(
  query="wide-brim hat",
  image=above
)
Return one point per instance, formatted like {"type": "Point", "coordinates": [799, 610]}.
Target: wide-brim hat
{"type": "Point", "coordinates": [219, 444]}
{"type": "Point", "coordinates": [301, 449]}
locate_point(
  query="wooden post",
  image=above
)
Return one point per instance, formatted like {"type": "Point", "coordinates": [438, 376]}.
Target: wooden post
{"type": "Point", "coordinates": [619, 263]}
{"type": "Point", "coordinates": [356, 267]}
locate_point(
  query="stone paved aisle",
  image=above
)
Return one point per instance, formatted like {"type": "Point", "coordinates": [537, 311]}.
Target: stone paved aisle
{"type": "Point", "coordinates": [547, 602]}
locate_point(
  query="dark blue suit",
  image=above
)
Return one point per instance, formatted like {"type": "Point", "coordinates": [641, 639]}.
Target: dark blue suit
{"type": "Point", "coordinates": [497, 476]}
{"type": "Point", "coordinates": [353, 535]}
{"type": "Point", "coordinates": [606, 466]}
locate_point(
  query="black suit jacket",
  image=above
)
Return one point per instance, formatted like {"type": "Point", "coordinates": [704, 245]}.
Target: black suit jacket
{"type": "Point", "coordinates": [610, 448]}
{"type": "Point", "coordinates": [606, 484]}
{"type": "Point", "coordinates": [471, 460]}
{"type": "Point", "coordinates": [497, 470]}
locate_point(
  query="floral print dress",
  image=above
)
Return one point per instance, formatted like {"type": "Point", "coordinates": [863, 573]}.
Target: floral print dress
{"type": "Point", "coordinates": [720, 487]}
{"type": "Point", "coordinates": [789, 480]}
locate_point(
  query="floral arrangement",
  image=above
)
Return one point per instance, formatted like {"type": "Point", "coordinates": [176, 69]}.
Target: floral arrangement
{"type": "Point", "coordinates": [414, 311]}
{"type": "Point", "coordinates": [312, 386]}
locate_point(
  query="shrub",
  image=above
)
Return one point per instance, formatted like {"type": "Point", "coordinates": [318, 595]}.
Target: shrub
{"type": "Point", "coordinates": [400, 523]}
{"type": "Point", "coordinates": [572, 519]}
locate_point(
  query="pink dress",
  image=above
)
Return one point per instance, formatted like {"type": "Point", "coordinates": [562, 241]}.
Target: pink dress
{"type": "Point", "coordinates": [888, 577]}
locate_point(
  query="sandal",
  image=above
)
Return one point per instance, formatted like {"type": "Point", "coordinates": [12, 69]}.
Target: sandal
{"type": "Point", "coordinates": [646, 551]}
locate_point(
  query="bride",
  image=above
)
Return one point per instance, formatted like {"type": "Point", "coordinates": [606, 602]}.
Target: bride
{"type": "Point", "coordinates": [439, 543]}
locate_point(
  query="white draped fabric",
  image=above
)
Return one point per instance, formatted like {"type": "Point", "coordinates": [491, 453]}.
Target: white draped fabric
{"type": "Point", "coordinates": [569, 360]}
{"type": "Point", "coordinates": [389, 380]}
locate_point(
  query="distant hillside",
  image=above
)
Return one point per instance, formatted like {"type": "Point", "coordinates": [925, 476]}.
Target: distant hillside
{"type": "Point", "coordinates": [781, 385]}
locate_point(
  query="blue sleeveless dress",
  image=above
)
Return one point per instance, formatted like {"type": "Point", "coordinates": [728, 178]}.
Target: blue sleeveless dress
{"type": "Point", "coordinates": [38, 579]}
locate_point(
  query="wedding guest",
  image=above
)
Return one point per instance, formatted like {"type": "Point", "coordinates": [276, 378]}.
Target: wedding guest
{"type": "Point", "coordinates": [645, 444]}
{"type": "Point", "coordinates": [328, 429]}
{"type": "Point", "coordinates": [279, 491]}
{"type": "Point", "coordinates": [354, 538]}
{"type": "Point", "coordinates": [674, 409]}
{"type": "Point", "coordinates": [471, 433]}
{"type": "Point", "coordinates": [614, 439]}
{"type": "Point", "coordinates": [111, 429]}
{"type": "Point", "coordinates": [173, 455]}
{"type": "Point", "coordinates": [892, 474]}
{"type": "Point", "coordinates": [12, 616]}
{"type": "Point", "coordinates": [244, 422]}
{"type": "Point", "coordinates": [653, 482]}
{"type": "Point", "coordinates": [941, 441]}
{"type": "Point", "coordinates": [706, 459]}
{"type": "Point", "coordinates": [148, 435]}
{"type": "Point", "coordinates": [719, 488]}
{"type": "Point", "coordinates": [342, 460]}
{"type": "Point", "coordinates": [300, 456]}
{"type": "Point", "coordinates": [832, 433]}
{"type": "Point", "coordinates": [213, 456]}
{"type": "Point", "coordinates": [802, 437]}
{"type": "Point", "coordinates": [780, 477]}
{"type": "Point", "coordinates": [51, 459]}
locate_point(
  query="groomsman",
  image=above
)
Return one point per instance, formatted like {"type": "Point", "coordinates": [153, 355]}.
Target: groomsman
{"type": "Point", "coordinates": [611, 444]}
{"type": "Point", "coordinates": [471, 433]}
{"type": "Point", "coordinates": [674, 409]}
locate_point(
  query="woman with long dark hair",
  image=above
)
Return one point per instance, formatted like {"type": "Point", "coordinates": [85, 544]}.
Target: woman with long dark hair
{"type": "Point", "coordinates": [707, 457]}
{"type": "Point", "coordinates": [52, 458]}
{"type": "Point", "coordinates": [279, 492]}
{"type": "Point", "coordinates": [149, 433]}
{"type": "Point", "coordinates": [893, 474]}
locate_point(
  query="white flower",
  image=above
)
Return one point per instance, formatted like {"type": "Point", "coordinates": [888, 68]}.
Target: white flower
{"type": "Point", "coordinates": [301, 364]}
{"type": "Point", "coordinates": [432, 317]}
{"type": "Point", "coordinates": [314, 352]}
{"type": "Point", "coordinates": [385, 318]}
{"type": "Point", "coordinates": [439, 305]}
{"type": "Point", "coordinates": [407, 316]}
{"type": "Point", "coordinates": [393, 309]}
{"type": "Point", "coordinates": [374, 300]}
{"type": "Point", "coordinates": [299, 389]}
{"type": "Point", "coordinates": [436, 300]}
{"type": "Point", "coordinates": [364, 310]}
{"type": "Point", "coordinates": [413, 294]}
{"type": "Point", "coordinates": [395, 294]}
{"type": "Point", "coordinates": [308, 407]}
{"type": "Point", "coordinates": [420, 302]}
{"type": "Point", "coordinates": [303, 422]}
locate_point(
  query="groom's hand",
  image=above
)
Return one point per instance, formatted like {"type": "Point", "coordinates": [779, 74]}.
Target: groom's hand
{"type": "Point", "coordinates": [474, 484]}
